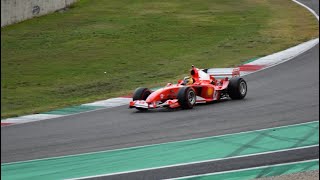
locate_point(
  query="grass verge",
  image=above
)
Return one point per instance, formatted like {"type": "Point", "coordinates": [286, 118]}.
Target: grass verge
{"type": "Point", "coordinates": [106, 48]}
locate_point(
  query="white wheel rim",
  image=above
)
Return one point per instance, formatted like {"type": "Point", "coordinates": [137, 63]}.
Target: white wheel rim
{"type": "Point", "coordinates": [243, 88]}
{"type": "Point", "coordinates": [191, 97]}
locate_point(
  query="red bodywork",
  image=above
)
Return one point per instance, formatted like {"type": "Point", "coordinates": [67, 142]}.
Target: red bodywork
{"type": "Point", "coordinates": [206, 86]}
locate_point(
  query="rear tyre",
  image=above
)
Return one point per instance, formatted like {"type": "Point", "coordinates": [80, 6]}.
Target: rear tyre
{"type": "Point", "coordinates": [141, 93]}
{"type": "Point", "coordinates": [237, 88]}
{"type": "Point", "coordinates": [186, 97]}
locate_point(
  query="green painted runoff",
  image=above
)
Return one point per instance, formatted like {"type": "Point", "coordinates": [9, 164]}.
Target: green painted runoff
{"type": "Point", "coordinates": [166, 154]}
{"type": "Point", "coordinates": [73, 110]}
{"type": "Point", "coordinates": [260, 172]}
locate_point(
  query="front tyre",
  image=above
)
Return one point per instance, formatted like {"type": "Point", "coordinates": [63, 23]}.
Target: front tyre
{"type": "Point", "coordinates": [237, 88]}
{"type": "Point", "coordinates": [186, 97]}
{"type": "Point", "coordinates": [141, 93]}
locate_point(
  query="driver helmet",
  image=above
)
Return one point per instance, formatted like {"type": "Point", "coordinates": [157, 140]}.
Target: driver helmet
{"type": "Point", "coordinates": [187, 80]}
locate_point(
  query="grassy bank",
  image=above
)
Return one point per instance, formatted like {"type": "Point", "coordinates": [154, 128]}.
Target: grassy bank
{"type": "Point", "coordinates": [105, 48]}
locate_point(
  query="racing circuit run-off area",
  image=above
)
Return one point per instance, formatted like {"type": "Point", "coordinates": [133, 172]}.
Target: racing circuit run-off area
{"type": "Point", "coordinates": [170, 89]}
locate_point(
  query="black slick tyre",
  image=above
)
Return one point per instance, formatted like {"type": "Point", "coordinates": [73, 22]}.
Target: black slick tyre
{"type": "Point", "coordinates": [186, 97]}
{"type": "Point", "coordinates": [141, 93]}
{"type": "Point", "coordinates": [237, 88]}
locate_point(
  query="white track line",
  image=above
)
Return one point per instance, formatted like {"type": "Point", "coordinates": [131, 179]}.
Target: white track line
{"type": "Point", "coordinates": [192, 163]}
{"type": "Point", "coordinates": [259, 167]}
{"type": "Point", "coordinates": [128, 148]}
{"type": "Point", "coordinates": [30, 118]}
{"type": "Point", "coordinates": [302, 50]}
{"type": "Point", "coordinates": [310, 44]}
{"type": "Point", "coordinates": [311, 10]}
{"type": "Point", "coordinates": [115, 102]}
{"type": "Point", "coordinates": [315, 14]}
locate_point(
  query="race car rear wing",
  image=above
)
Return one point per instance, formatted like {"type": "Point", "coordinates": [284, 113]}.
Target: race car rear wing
{"type": "Point", "coordinates": [220, 73]}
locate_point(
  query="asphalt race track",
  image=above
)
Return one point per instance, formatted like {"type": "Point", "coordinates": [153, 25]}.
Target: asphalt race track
{"type": "Point", "coordinates": [282, 95]}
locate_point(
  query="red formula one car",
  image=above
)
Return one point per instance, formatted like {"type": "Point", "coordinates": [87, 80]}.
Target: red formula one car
{"type": "Point", "coordinates": [204, 85]}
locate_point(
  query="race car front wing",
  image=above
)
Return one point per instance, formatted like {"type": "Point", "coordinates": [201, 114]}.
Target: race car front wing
{"type": "Point", "coordinates": [172, 103]}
